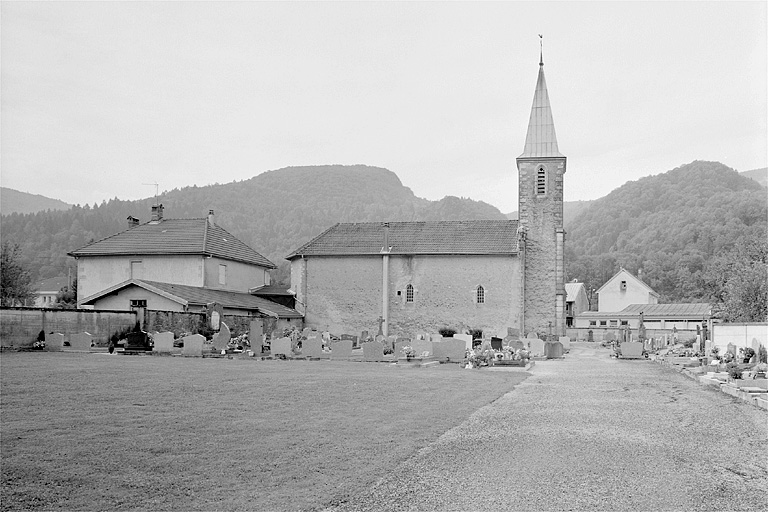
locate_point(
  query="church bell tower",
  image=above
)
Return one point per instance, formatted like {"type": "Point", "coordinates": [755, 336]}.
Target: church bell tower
{"type": "Point", "coordinates": [542, 238]}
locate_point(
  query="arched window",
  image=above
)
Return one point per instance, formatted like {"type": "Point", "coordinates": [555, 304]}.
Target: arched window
{"type": "Point", "coordinates": [541, 181]}
{"type": "Point", "coordinates": [480, 295]}
{"type": "Point", "coordinates": [409, 293]}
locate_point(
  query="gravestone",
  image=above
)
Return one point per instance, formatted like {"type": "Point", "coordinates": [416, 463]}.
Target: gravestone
{"type": "Point", "coordinates": [163, 342]}
{"type": "Point", "coordinates": [193, 345]}
{"type": "Point", "coordinates": [707, 347]}
{"type": "Point", "coordinates": [256, 334]}
{"type": "Point", "coordinates": [381, 339]}
{"type": "Point", "coordinates": [306, 332]}
{"type": "Point", "coordinates": [54, 342]}
{"type": "Point", "coordinates": [553, 349]}
{"type": "Point", "coordinates": [632, 350]}
{"type": "Point", "coordinates": [566, 342]}
{"type": "Point", "coordinates": [517, 344]}
{"type": "Point", "coordinates": [536, 347]}
{"type": "Point", "coordinates": [221, 339]}
{"type": "Point", "coordinates": [350, 337]}
{"type": "Point", "coordinates": [496, 343]}
{"type": "Point", "coordinates": [391, 340]}
{"type": "Point", "coordinates": [80, 341]}
{"type": "Point", "coordinates": [373, 351]}
{"type": "Point", "coordinates": [398, 348]}
{"type": "Point", "coordinates": [732, 349]}
{"type": "Point", "coordinates": [756, 346]}
{"type": "Point", "coordinates": [341, 350]}
{"type": "Point", "coordinates": [403, 339]}
{"type": "Point", "coordinates": [450, 349]}
{"type": "Point", "coordinates": [363, 336]}
{"type": "Point", "coordinates": [421, 346]}
{"type": "Point", "coordinates": [513, 332]}
{"type": "Point", "coordinates": [466, 338]}
{"type": "Point", "coordinates": [312, 348]}
{"type": "Point", "coordinates": [281, 346]}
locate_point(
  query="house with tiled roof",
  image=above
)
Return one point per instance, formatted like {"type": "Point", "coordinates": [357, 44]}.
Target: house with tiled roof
{"type": "Point", "coordinates": [657, 318]}
{"type": "Point", "coordinates": [624, 289]}
{"type": "Point", "coordinates": [576, 301]}
{"type": "Point", "coordinates": [497, 276]}
{"type": "Point", "coordinates": [46, 291]}
{"type": "Point", "coordinates": [174, 265]}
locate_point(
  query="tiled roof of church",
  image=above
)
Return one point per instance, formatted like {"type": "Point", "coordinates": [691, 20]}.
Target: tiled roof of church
{"type": "Point", "coordinates": [541, 140]}
{"type": "Point", "coordinates": [477, 237]}
{"type": "Point", "coordinates": [175, 237]}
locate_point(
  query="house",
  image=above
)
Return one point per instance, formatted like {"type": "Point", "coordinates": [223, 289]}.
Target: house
{"type": "Point", "coordinates": [159, 296]}
{"type": "Point", "coordinates": [657, 318]}
{"type": "Point", "coordinates": [410, 277]}
{"type": "Point", "coordinates": [622, 290]}
{"type": "Point", "coordinates": [576, 301]}
{"type": "Point", "coordinates": [191, 252]}
{"type": "Point", "coordinates": [46, 291]}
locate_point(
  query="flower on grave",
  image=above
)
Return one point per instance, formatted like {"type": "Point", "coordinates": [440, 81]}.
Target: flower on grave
{"type": "Point", "coordinates": [39, 345]}
{"type": "Point", "coordinates": [408, 351]}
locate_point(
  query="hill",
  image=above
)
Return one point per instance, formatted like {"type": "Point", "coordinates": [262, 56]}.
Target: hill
{"type": "Point", "coordinates": [670, 225]}
{"type": "Point", "coordinates": [759, 175]}
{"type": "Point", "coordinates": [274, 212]}
{"type": "Point", "coordinates": [15, 201]}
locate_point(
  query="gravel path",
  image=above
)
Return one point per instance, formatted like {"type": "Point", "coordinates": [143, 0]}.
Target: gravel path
{"type": "Point", "coordinates": [590, 433]}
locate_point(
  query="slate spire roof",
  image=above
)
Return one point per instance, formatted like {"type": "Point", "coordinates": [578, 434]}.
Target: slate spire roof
{"type": "Point", "coordinates": [470, 237]}
{"type": "Point", "coordinates": [541, 140]}
{"type": "Point", "coordinates": [175, 237]}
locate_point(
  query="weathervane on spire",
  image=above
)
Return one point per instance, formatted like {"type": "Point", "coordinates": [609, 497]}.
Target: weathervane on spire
{"type": "Point", "coordinates": [541, 50]}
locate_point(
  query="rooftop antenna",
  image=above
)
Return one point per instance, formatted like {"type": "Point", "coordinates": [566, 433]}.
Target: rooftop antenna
{"type": "Point", "coordinates": [541, 50]}
{"type": "Point", "coordinates": [156, 185]}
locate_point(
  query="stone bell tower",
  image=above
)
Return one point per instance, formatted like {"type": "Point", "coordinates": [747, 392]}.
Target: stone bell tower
{"type": "Point", "coordinates": [542, 238]}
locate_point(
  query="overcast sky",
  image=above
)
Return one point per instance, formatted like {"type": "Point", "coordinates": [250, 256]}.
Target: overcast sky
{"type": "Point", "coordinates": [99, 98]}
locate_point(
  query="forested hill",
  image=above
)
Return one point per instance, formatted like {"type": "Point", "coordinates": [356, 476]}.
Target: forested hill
{"type": "Point", "coordinates": [22, 202]}
{"type": "Point", "coordinates": [274, 212]}
{"type": "Point", "coordinates": [670, 225]}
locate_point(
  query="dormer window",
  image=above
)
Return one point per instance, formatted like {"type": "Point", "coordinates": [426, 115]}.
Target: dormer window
{"type": "Point", "coordinates": [541, 181]}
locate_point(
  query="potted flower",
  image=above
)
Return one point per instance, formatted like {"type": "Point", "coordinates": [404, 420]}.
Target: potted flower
{"type": "Point", "coordinates": [408, 352]}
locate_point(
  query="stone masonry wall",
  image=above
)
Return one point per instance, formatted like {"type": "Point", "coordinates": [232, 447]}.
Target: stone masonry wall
{"type": "Point", "coordinates": [344, 293]}
{"type": "Point", "coordinates": [542, 216]}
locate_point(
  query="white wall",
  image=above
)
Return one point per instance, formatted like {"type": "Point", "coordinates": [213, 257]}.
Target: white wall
{"type": "Point", "coordinates": [740, 335]}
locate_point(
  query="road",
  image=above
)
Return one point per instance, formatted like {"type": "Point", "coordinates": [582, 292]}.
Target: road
{"type": "Point", "coordinates": [590, 433]}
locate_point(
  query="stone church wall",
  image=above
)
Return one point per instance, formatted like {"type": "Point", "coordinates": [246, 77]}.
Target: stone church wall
{"type": "Point", "coordinates": [345, 293]}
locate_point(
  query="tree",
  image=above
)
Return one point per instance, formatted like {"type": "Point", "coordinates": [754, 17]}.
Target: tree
{"type": "Point", "coordinates": [15, 281]}
{"type": "Point", "coordinates": [67, 297]}
{"type": "Point", "coordinates": [738, 281]}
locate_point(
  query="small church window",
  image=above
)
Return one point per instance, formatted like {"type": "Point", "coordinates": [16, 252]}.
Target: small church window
{"type": "Point", "coordinates": [480, 295]}
{"type": "Point", "coordinates": [541, 181]}
{"type": "Point", "coordinates": [409, 293]}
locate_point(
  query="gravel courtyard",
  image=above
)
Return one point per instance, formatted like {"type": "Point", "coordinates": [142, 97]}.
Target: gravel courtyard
{"type": "Point", "coordinates": [590, 433]}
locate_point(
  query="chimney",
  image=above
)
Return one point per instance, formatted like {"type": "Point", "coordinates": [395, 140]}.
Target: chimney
{"type": "Point", "coordinates": [211, 218]}
{"type": "Point", "coordinates": [157, 213]}
{"type": "Point", "coordinates": [132, 222]}
{"type": "Point", "coordinates": [640, 274]}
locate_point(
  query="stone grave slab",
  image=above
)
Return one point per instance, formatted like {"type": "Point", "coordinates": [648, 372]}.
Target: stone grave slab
{"type": "Point", "coordinates": [341, 350]}
{"type": "Point", "coordinates": [566, 342]}
{"type": "Point", "coordinates": [453, 350]}
{"type": "Point", "coordinates": [281, 346]}
{"type": "Point", "coordinates": [373, 351]}
{"type": "Point", "coordinates": [466, 338]}
{"type": "Point", "coordinates": [536, 347]}
{"type": "Point", "coordinates": [421, 346]}
{"type": "Point", "coordinates": [221, 339]}
{"type": "Point", "coordinates": [163, 342]}
{"type": "Point", "coordinates": [632, 350]}
{"type": "Point", "coordinates": [80, 341]}
{"type": "Point", "coordinates": [312, 348]}
{"type": "Point", "coordinates": [553, 350]}
{"type": "Point", "coordinates": [193, 345]}
{"type": "Point", "coordinates": [54, 342]}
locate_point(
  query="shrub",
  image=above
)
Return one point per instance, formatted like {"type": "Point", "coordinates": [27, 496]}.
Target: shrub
{"type": "Point", "coordinates": [447, 332]}
{"type": "Point", "coordinates": [734, 371]}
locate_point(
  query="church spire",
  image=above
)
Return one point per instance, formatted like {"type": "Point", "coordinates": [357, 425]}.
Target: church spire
{"type": "Point", "coordinates": [541, 140]}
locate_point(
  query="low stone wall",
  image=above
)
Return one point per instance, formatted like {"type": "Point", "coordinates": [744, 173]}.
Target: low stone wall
{"type": "Point", "coordinates": [19, 327]}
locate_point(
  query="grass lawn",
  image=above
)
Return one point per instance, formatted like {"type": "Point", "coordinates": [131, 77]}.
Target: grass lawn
{"type": "Point", "coordinates": [113, 432]}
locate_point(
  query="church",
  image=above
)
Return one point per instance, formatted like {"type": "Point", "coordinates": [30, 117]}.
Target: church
{"type": "Point", "coordinates": [421, 277]}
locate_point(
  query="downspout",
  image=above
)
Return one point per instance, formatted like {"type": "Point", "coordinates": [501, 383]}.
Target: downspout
{"type": "Point", "coordinates": [521, 252]}
{"type": "Point", "coordinates": [385, 281]}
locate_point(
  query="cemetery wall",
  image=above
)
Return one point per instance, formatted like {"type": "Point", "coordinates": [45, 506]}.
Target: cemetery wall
{"type": "Point", "coordinates": [582, 334]}
{"type": "Point", "coordinates": [95, 274]}
{"type": "Point", "coordinates": [19, 327]}
{"type": "Point", "coordinates": [343, 294]}
{"type": "Point", "coordinates": [739, 334]}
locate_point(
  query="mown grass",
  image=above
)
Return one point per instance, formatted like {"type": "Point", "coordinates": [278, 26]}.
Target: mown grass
{"type": "Point", "coordinates": [101, 432]}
